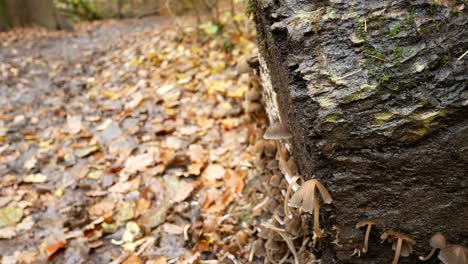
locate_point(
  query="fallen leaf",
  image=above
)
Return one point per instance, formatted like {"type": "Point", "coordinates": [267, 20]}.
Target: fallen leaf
{"type": "Point", "coordinates": [175, 143]}
{"type": "Point", "coordinates": [132, 231]}
{"type": "Point", "coordinates": [104, 124]}
{"type": "Point", "coordinates": [157, 260]}
{"type": "Point", "coordinates": [84, 152]}
{"type": "Point", "coordinates": [125, 186]}
{"type": "Point", "coordinates": [74, 125]}
{"type": "Point", "coordinates": [142, 205]}
{"type": "Point", "coordinates": [178, 190]}
{"type": "Point", "coordinates": [53, 247]}
{"type": "Point", "coordinates": [140, 162]}
{"type": "Point", "coordinates": [154, 217]}
{"type": "Point", "coordinates": [213, 172]}
{"type": "Point", "coordinates": [173, 229]}
{"type": "Point", "coordinates": [26, 224]}
{"type": "Point", "coordinates": [133, 259]}
{"type": "Point", "coordinates": [8, 232]}
{"type": "Point", "coordinates": [35, 178]}
{"type": "Point", "coordinates": [104, 208]}
{"type": "Point", "coordinates": [137, 98]}
{"type": "Point", "coordinates": [94, 174]}
{"type": "Point", "coordinates": [126, 211]}
{"type": "Point", "coordinates": [10, 216]}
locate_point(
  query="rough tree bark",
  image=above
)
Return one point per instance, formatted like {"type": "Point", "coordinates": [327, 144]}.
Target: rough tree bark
{"type": "Point", "coordinates": [375, 95]}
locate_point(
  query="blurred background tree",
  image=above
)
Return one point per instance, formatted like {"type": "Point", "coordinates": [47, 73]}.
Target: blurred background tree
{"type": "Point", "coordinates": [15, 13]}
{"type": "Point", "coordinates": [55, 14]}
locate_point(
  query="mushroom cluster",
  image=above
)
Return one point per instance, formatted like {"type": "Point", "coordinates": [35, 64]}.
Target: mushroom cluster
{"type": "Point", "coordinates": [449, 254]}
{"type": "Point", "coordinates": [307, 198]}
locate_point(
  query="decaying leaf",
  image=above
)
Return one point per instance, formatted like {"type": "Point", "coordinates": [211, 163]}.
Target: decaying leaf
{"type": "Point", "coordinates": [53, 247]}
{"type": "Point", "coordinates": [154, 217]}
{"type": "Point", "coordinates": [10, 216]}
{"type": "Point", "coordinates": [213, 172]}
{"type": "Point", "coordinates": [84, 152]}
{"type": "Point", "coordinates": [35, 178]}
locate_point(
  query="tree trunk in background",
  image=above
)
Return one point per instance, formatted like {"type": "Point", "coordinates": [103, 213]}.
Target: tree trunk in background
{"type": "Point", "coordinates": [375, 97]}
{"type": "Point", "coordinates": [4, 18]}
{"type": "Point", "coordinates": [31, 12]}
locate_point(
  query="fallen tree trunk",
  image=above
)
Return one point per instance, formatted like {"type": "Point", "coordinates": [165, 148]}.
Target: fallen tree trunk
{"type": "Point", "coordinates": [374, 93]}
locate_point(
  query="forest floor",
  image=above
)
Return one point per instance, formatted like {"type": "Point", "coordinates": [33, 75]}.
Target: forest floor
{"type": "Point", "coordinates": [128, 142]}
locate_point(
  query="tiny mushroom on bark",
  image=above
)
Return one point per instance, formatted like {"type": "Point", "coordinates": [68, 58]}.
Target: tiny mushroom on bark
{"type": "Point", "coordinates": [454, 254]}
{"type": "Point", "coordinates": [369, 224]}
{"type": "Point", "coordinates": [437, 242]}
{"type": "Point", "coordinates": [402, 244]}
{"type": "Point", "coordinates": [306, 198]}
{"type": "Point", "coordinates": [277, 131]}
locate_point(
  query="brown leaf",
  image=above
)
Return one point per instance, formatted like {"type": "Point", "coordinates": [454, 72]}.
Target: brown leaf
{"type": "Point", "coordinates": [53, 247]}
{"type": "Point", "coordinates": [103, 209]}
{"type": "Point", "coordinates": [213, 172]}
{"type": "Point", "coordinates": [133, 259]}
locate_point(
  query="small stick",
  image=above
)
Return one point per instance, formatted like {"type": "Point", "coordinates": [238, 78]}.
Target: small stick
{"type": "Point", "coordinates": [463, 55]}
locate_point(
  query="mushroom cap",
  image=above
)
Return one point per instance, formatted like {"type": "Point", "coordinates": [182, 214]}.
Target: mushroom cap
{"type": "Point", "coordinates": [406, 248]}
{"type": "Point", "coordinates": [438, 241]}
{"type": "Point", "coordinates": [454, 254]}
{"type": "Point", "coordinates": [393, 235]}
{"type": "Point", "coordinates": [365, 222]}
{"type": "Point", "coordinates": [253, 95]}
{"type": "Point", "coordinates": [277, 131]}
{"type": "Point", "coordinates": [305, 197]}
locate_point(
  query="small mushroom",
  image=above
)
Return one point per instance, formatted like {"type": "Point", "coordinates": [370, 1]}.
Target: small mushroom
{"type": "Point", "coordinates": [253, 95]}
{"type": "Point", "coordinates": [277, 131]}
{"type": "Point", "coordinates": [270, 149]}
{"type": "Point", "coordinates": [454, 254]}
{"type": "Point", "coordinates": [259, 147]}
{"type": "Point", "coordinates": [306, 199]}
{"type": "Point", "coordinates": [253, 107]}
{"type": "Point", "coordinates": [402, 244]}
{"type": "Point", "coordinates": [437, 242]}
{"type": "Point", "coordinates": [369, 224]}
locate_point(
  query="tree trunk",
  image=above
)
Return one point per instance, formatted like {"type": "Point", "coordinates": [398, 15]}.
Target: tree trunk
{"type": "Point", "coordinates": [30, 12]}
{"type": "Point", "coordinates": [4, 18]}
{"type": "Point", "coordinates": [374, 93]}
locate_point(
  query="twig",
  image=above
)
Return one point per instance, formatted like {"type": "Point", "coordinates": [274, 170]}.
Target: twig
{"type": "Point", "coordinates": [463, 55]}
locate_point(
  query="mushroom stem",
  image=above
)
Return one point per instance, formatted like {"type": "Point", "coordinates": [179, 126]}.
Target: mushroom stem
{"type": "Point", "coordinates": [287, 213]}
{"type": "Point", "coordinates": [426, 258]}
{"type": "Point", "coordinates": [285, 237]}
{"type": "Point", "coordinates": [366, 239]}
{"type": "Point", "coordinates": [316, 205]}
{"type": "Point", "coordinates": [398, 251]}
